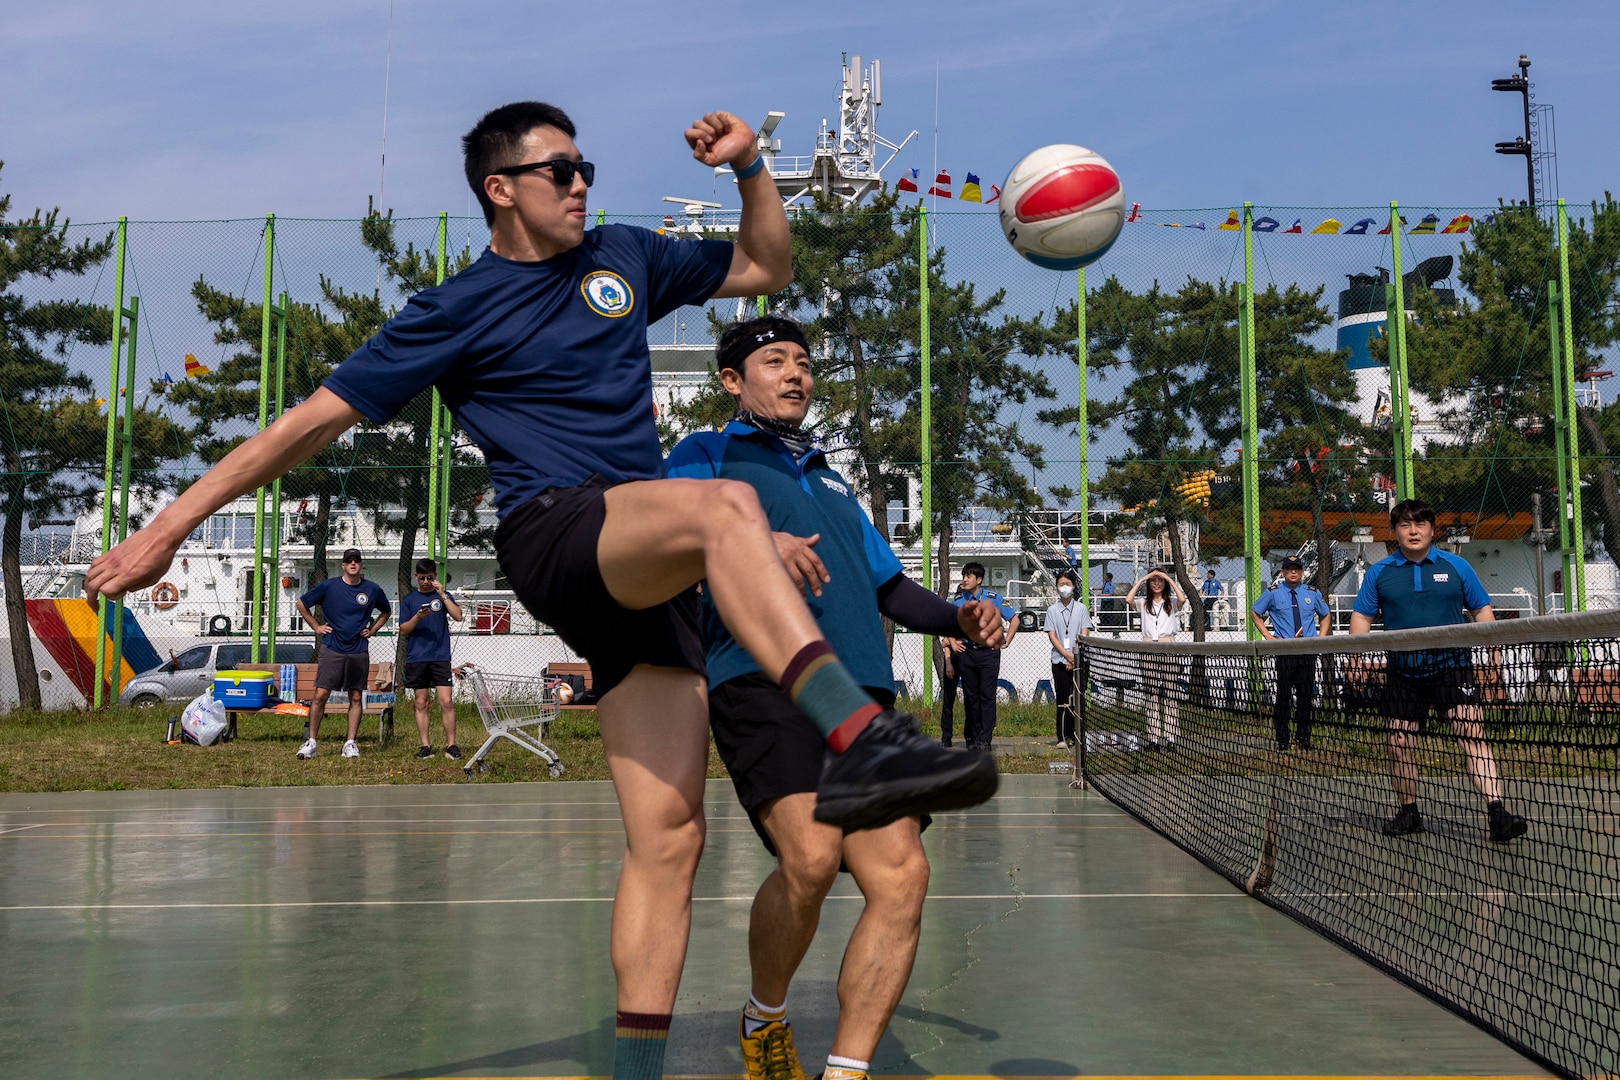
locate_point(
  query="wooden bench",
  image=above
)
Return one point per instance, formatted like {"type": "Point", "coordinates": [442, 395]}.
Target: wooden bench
{"type": "Point", "coordinates": [572, 667]}
{"type": "Point", "coordinates": [379, 680]}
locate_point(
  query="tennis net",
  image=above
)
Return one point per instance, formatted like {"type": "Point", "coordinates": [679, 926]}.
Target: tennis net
{"type": "Point", "coordinates": [1519, 935]}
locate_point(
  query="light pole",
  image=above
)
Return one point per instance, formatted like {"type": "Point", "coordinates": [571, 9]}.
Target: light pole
{"type": "Point", "coordinates": [1520, 84]}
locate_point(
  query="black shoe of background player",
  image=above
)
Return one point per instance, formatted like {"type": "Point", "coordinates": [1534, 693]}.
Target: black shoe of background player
{"type": "Point", "coordinates": [1506, 826]}
{"type": "Point", "coordinates": [892, 770]}
{"type": "Point", "coordinates": [1405, 822]}
{"type": "Point", "coordinates": [945, 741]}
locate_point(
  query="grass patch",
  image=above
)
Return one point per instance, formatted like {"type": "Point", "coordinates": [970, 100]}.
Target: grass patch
{"type": "Point", "coordinates": [122, 749]}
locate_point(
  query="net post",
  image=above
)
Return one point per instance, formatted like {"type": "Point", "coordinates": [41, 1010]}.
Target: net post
{"type": "Point", "coordinates": [265, 319]}
{"type": "Point", "coordinates": [1400, 405]}
{"type": "Point", "coordinates": [121, 235]}
{"type": "Point", "coordinates": [1561, 422]}
{"type": "Point", "coordinates": [1083, 405]}
{"type": "Point", "coordinates": [1576, 525]}
{"type": "Point", "coordinates": [126, 439]}
{"type": "Point", "coordinates": [273, 594]}
{"type": "Point", "coordinates": [1247, 394]}
{"type": "Point", "coordinates": [926, 444]}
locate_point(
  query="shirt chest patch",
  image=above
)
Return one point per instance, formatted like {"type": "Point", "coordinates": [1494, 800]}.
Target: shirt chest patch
{"type": "Point", "coordinates": [835, 485]}
{"type": "Point", "coordinates": [360, 598]}
{"type": "Point", "coordinates": [607, 294]}
{"type": "Point", "coordinates": [1442, 577]}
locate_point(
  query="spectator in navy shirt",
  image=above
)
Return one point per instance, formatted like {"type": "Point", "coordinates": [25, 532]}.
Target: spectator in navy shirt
{"type": "Point", "coordinates": [1419, 586]}
{"type": "Point", "coordinates": [353, 608]}
{"type": "Point", "coordinates": [424, 620]}
{"type": "Point", "coordinates": [539, 348]}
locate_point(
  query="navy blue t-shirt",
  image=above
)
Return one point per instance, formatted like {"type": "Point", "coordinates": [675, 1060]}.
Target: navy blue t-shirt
{"type": "Point", "coordinates": [430, 640]}
{"type": "Point", "coordinates": [803, 497]}
{"type": "Point", "coordinates": [544, 364]}
{"type": "Point", "coordinates": [348, 609]}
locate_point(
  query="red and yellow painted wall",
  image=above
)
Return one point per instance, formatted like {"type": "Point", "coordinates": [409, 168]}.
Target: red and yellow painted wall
{"type": "Point", "coordinates": [69, 630]}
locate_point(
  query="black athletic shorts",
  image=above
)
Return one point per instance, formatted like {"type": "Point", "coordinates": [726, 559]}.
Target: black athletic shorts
{"type": "Point", "coordinates": [770, 748]}
{"type": "Point", "coordinates": [547, 551]}
{"type": "Point", "coordinates": [426, 674]}
{"type": "Point", "coordinates": [342, 671]}
{"type": "Point", "coordinates": [1413, 699]}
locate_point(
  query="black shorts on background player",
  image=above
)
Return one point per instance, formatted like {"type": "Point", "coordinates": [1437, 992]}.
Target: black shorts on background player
{"type": "Point", "coordinates": [1415, 699]}
{"type": "Point", "coordinates": [547, 551]}
{"type": "Point", "coordinates": [770, 748]}
{"type": "Point", "coordinates": [427, 674]}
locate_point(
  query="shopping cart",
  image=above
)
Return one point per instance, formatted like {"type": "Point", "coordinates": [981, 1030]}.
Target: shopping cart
{"type": "Point", "coordinates": [506, 705]}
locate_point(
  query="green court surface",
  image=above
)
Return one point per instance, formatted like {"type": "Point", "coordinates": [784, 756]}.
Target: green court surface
{"type": "Point", "coordinates": [462, 931]}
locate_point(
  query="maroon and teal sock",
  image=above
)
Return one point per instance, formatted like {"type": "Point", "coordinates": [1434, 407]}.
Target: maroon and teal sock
{"type": "Point", "coordinates": [638, 1045]}
{"type": "Point", "coordinates": [823, 690]}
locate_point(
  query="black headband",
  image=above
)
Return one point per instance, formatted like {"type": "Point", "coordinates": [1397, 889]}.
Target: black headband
{"type": "Point", "coordinates": [734, 352]}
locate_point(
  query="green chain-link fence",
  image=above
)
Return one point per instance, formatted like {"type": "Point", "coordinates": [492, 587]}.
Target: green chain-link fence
{"type": "Point", "coordinates": [1222, 396]}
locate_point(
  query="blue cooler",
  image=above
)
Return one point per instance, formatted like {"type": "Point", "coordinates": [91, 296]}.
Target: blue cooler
{"type": "Point", "coordinates": [245, 689]}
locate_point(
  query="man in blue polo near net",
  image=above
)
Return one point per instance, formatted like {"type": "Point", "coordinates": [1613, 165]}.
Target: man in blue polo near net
{"type": "Point", "coordinates": [770, 747]}
{"type": "Point", "coordinates": [539, 348]}
{"type": "Point", "coordinates": [1419, 586]}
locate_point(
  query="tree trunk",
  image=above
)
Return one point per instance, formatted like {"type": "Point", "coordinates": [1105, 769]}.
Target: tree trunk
{"type": "Point", "coordinates": [1607, 489]}
{"type": "Point", "coordinates": [943, 570]}
{"type": "Point", "coordinates": [877, 494]}
{"type": "Point", "coordinates": [22, 643]}
{"type": "Point", "coordinates": [1178, 558]}
{"type": "Point", "coordinates": [323, 524]}
{"type": "Point", "coordinates": [1324, 546]}
{"type": "Point", "coordinates": [404, 582]}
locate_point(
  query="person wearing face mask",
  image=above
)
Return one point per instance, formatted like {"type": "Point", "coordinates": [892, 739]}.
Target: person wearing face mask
{"type": "Point", "coordinates": [1067, 621]}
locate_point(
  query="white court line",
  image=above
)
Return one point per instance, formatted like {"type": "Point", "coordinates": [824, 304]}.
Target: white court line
{"type": "Point", "coordinates": [25, 828]}
{"type": "Point", "coordinates": [192, 906]}
{"type": "Point", "coordinates": [466, 820]}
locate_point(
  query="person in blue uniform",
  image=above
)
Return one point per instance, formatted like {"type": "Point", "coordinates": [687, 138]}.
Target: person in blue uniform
{"type": "Point", "coordinates": [353, 608]}
{"type": "Point", "coordinates": [771, 749]}
{"type": "Point", "coordinates": [1211, 591]}
{"type": "Point", "coordinates": [1294, 610]}
{"type": "Point", "coordinates": [979, 665]}
{"type": "Point", "coordinates": [1419, 586]}
{"type": "Point", "coordinates": [539, 348]}
{"type": "Point", "coordinates": [425, 614]}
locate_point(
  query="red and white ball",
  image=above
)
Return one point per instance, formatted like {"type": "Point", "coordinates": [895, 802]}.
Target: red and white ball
{"type": "Point", "coordinates": [1062, 207]}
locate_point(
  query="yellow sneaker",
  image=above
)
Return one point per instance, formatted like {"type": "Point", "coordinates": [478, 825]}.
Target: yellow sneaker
{"type": "Point", "coordinates": [769, 1053]}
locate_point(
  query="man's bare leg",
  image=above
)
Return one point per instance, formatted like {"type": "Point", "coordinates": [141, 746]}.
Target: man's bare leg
{"type": "Point", "coordinates": [892, 871]}
{"type": "Point", "coordinates": [447, 716]}
{"type": "Point", "coordinates": [655, 730]}
{"type": "Point", "coordinates": [357, 700]}
{"type": "Point", "coordinates": [1403, 770]}
{"type": "Point", "coordinates": [422, 715]}
{"type": "Point", "coordinates": [787, 908]}
{"type": "Point", "coordinates": [317, 711]}
{"type": "Point", "coordinates": [1468, 725]}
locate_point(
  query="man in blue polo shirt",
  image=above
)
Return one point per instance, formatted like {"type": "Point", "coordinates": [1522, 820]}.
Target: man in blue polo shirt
{"type": "Point", "coordinates": [425, 614]}
{"type": "Point", "coordinates": [539, 348]}
{"type": "Point", "coordinates": [770, 747]}
{"type": "Point", "coordinates": [1419, 586]}
{"type": "Point", "coordinates": [348, 604]}
{"type": "Point", "coordinates": [1296, 611]}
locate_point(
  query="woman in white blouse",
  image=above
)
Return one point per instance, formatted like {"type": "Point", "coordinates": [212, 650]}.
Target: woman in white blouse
{"type": "Point", "coordinates": [1158, 599]}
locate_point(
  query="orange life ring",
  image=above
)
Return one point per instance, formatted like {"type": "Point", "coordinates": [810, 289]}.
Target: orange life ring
{"type": "Point", "coordinates": [165, 595]}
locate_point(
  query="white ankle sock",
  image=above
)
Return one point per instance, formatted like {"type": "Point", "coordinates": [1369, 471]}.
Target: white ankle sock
{"type": "Point", "coordinates": [756, 1014]}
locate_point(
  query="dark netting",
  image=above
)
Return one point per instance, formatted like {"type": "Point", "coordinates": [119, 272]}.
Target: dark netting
{"type": "Point", "coordinates": [1523, 936]}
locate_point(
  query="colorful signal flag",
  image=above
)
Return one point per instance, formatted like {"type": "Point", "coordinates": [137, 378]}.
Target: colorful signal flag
{"type": "Point", "coordinates": [1329, 227]}
{"type": "Point", "coordinates": [195, 367]}
{"type": "Point", "coordinates": [970, 190]}
{"type": "Point", "coordinates": [941, 185]}
{"type": "Point", "coordinates": [907, 183]}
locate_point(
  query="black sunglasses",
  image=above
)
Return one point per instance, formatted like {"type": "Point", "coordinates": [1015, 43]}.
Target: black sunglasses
{"type": "Point", "coordinates": [562, 170]}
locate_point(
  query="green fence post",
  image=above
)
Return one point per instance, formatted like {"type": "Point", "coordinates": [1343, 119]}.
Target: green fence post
{"type": "Point", "coordinates": [926, 443]}
{"type": "Point", "coordinates": [122, 234]}
{"type": "Point", "coordinates": [1085, 440]}
{"type": "Point", "coordinates": [126, 439]}
{"type": "Point", "coordinates": [1561, 421]}
{"type": "Point", "coordinates": [435, 432]}
{"type": "Point", "coordinates": [273, 599]}
{"type": "Point", "coordinates": [1248, 392]}
{"type": "Point", "coordinates": [1400, 405]}
{"type": "Point", "coordinates": [1577, 525]}
{"type": "Point", "coordinates": [266, 315]}
{"type": "Point", "coordinates": [447, 435]}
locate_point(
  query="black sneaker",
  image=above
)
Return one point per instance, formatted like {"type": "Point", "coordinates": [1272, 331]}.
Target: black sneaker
{"type": "Point", "coordinates": [1405, 822]}
{"type": "Point", "coordinates": [453, 752]}
{"type": "Point", "coordinates": [423, 752]}
{"type": "Point", "coordinates": [945, 741]}
{"type": "Point", "coordinates": [1506, 826]}
{"type": "Point", "coordinates": [892, 770]}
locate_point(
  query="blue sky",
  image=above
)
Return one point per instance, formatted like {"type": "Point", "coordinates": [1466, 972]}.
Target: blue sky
{"type": "Point", "coordinates": [206, 110]}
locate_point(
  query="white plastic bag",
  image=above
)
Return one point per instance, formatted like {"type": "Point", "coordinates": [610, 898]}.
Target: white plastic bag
{"type": "Point", "coordinates": [204, 719]}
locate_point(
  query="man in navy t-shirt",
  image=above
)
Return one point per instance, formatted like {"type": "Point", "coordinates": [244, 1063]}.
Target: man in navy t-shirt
{"type": "Point", "coordinates": [425, 614]}
{"type": "Point", "coordinates": [540, 350]}
{"type": "Point", "coordinates": [353, 608]}
{"type": "Point", "coordinates": [1419, 586]}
